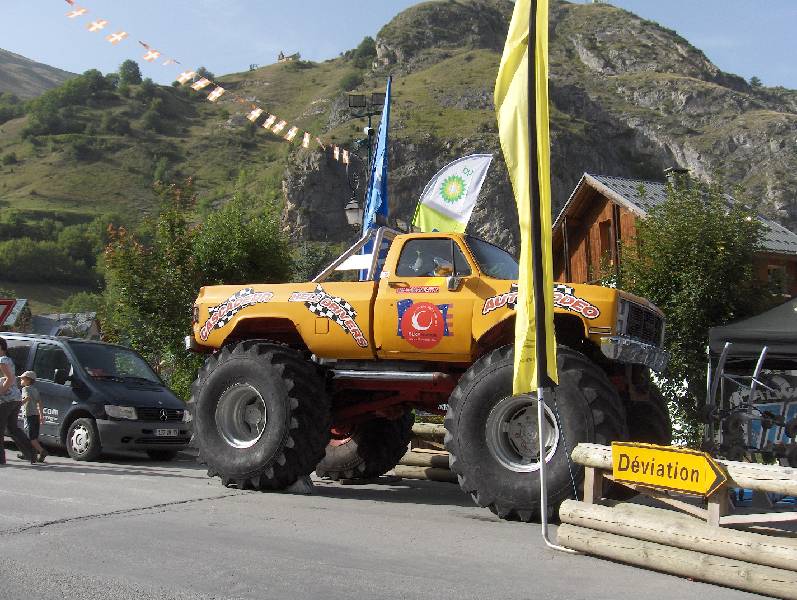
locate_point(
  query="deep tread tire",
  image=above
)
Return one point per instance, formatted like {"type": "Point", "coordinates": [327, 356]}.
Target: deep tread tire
{"type": "Point", "coordinates": [298, 419]}
{"type": "Point", "coordinates": [650, 421]}
{"type": "Point", "coordinates": [87, 427]}
{"type": "Point", "coordinates": [374, 448]}
{"type": "Point", "coordinates": [589, 410]}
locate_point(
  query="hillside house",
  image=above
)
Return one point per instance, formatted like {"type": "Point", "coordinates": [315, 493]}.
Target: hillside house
{"type": "Point", "coordinates": [602, 212]}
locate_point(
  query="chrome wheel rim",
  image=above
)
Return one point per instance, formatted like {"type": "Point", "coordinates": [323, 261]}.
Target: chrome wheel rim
{"type": "Point", "coordinates": [512, 434]}
{"type": "Point", "coordinates": [241, 416]}
{"type": "Point", "coordinates": [80, 439]}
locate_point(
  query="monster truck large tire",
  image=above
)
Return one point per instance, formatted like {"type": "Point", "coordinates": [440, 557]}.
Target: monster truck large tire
{"type": "Point", "coordinates": [373, 449]}
{"type": "Point", "coordinates": [650, 421]}
{"type": "Point", "coordinates": [261, 416]}
{"type": "Point", "coordinates": [584, 406]}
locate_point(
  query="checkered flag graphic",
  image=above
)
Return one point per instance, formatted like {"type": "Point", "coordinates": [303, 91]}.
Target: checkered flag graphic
{"type": "Point", "coordinates": [564, 289]}
{"type": "Point", "coordinates": [315, 307]}
{"type": "Point", "coordinates": [229, 314]}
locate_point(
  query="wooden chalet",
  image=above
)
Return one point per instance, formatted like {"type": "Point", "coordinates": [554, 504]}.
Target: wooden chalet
{"type": "Point", "coordinates": [602, 212]}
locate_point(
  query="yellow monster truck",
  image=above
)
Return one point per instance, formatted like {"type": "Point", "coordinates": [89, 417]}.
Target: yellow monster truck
{"type": "Point", "coordinates": [325, 375]}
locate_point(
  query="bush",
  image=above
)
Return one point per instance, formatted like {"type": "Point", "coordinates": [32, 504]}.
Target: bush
{"type": "Point", "coordinates": [26, 260]}
{"type": "Point", "coordinates": [114, 123]}
{"type": "Point", "coordinates": [350, 81]}
{"type": "Point", "coordinates": [10, 159]}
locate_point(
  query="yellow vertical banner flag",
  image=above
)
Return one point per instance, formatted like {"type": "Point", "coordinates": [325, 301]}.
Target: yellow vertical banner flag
{"type": "Point", "coordinates": [522, 111]}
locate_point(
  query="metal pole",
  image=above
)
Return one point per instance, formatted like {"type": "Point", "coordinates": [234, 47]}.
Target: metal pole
{"type": "Point", "coordinates": [538, 280]}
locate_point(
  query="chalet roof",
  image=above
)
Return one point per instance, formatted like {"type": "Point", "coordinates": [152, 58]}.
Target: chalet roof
{"type": "Point", "coordinates": [640, 195]}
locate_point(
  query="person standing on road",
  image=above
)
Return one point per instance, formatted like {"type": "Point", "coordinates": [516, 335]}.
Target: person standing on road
{"type": "Point", "coordinates": [10, 401]}
{"type": "Point", "coordinates": [34, 416]}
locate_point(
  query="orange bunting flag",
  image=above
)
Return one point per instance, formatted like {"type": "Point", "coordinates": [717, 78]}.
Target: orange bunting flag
{"type": "Point", "coordinates": [202, 83]}
{"type": "Point", "coordinates": [269, 122]}
{"type": "Point", "coordinates": [78, 12]}
{"type": "Point", "coordinates": [291, 133]}
{"type": "Point", "coordinates": [152, 55]}
{"type": "Point", "coordinates": [255, 114]}
{"type": "Point", "coordinates": [117, 37]}
{"type": "Point", "coordinates": [306, 140]}
{"type": "Point", "coordinates": [97, 25]}
{"type": "Point", "coordinates": [345, 157]}
{"type": "Point", "coordinates": [279, 126]}
{"type": "Point", "coordinates": [336, 152]}
{"type": "Point", "coordinates": [216, 94]}
{"type": "Point", "coordinates": [186, 76]}
{"type": "Point", "coordinates": [70, 2]}
{"type": "Point", "coordinates": [320, 143]}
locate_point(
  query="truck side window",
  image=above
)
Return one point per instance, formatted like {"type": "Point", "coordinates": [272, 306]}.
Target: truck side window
{"type": "Point", "coordinates": [19, 351]}
{"type": "Point", "coordinates": [461, 265]}
{"type": "Point", "coordinates": [48, 359]}
{"type": "Point", "coordinates": [426, 258]}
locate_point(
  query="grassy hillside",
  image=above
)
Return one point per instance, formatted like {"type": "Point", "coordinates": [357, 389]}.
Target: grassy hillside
{"type": "Point", "coordinates": [26, 78]}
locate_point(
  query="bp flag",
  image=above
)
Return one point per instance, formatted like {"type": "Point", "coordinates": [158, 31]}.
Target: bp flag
{"type": "Point", "coordinates": [448, 199]}
{"type": "Point", "coordinates": [521, 102]}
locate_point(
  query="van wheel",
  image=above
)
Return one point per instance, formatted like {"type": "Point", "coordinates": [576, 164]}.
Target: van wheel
{"type": "Point", "coordinates": [162, 455]}
{"type": "Point", "coordinates": [83, 440]}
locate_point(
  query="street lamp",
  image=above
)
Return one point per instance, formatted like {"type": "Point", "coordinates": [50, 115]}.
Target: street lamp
{"type": "Point", "coordinates": [367, 106]}
{"type": "Point", "coordinates": [354, 213]}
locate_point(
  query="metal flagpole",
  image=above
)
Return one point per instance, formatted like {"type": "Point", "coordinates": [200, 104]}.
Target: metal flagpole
{"type": "Point", "coordinates": [544, 384]}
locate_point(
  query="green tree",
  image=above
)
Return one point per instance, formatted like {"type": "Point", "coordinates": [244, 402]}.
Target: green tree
{"type": "Point", "coordinates": [755, 82]}
{"type": "Point", "coordinates": [693, 257]}
{"type": "Point", "coordinates": [84, 302]}
{"type": "Point", "coordinates": [365, 53]}
{"type": "Point", "coordinates": [129, 73]}
{"type": "Point", "coordinates": [350, 81]}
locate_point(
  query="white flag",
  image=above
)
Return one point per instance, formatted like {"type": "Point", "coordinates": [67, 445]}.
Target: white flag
{"type": "Point", "coordinates": [448, 199]}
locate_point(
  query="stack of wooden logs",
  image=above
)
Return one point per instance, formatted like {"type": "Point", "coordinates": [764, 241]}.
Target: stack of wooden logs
{"type": "Point", "coordinates": [762, 560]}
{"type": "Point", "coordinates": [426, 459]}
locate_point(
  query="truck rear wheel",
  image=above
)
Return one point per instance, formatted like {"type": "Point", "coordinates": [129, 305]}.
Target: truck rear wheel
{"type": "Point", "coordinates": [261, 416]}
{"type": "Point", "coordinates": [650, 421]}
{"type": "Point", "coordinates": [373, 449]}
{"type": "Point", "coordinates": [492, 435]}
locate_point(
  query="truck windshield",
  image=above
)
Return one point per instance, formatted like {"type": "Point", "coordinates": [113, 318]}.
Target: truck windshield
{"type": "Point", "coordinates": [103, 361]}
{"type": "Point", "coordinates": [493, 261]}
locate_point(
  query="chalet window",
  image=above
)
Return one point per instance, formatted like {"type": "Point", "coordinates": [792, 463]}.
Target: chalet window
{"type": "Point", "coordinates": [606, 241]}
{"type": "Point", "coordinates": [778, 279]}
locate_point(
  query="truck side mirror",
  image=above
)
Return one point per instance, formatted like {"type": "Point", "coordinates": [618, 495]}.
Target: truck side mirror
{"type": "Point", "coordinates": [61, 376]}
{"type": "Point", "coordinates": [453, 283]}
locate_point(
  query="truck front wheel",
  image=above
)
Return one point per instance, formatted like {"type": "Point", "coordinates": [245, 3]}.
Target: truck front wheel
{"type": "Point", "coordinates": [373, 449]}
{"type": "Point", "coordinates": [492, 436]}
{"type": "Point", "coordinates": [261, 416]}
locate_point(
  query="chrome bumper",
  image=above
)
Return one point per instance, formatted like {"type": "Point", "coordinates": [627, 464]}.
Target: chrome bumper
{"type": "Point", "coordinates": [626, 350]}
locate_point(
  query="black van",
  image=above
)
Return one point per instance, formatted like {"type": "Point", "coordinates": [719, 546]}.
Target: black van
{"type": "Point", "coordinates": [98, 396]}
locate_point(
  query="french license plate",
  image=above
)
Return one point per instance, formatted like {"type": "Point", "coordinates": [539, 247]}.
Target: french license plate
{"type": "Point", "coordinates": [166, 432]}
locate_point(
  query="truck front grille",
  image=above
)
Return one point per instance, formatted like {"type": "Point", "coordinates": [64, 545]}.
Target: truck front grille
{"type": "Point", "coordinates": [644, 325]}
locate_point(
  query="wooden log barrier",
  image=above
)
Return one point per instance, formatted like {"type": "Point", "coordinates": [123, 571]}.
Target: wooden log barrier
{"type": "Point", "coordinates": [685, 563]}
{"type": "Point", "coordinates": [429, 473]}
{"type": "Point", "coordinates": [764, 478]}
{"type": "Point", "coordinates": [429, 431]}
{"type": "Point", "coordinates": [682, 531]}
{"type": "Point", "coordinates": [425, 458]}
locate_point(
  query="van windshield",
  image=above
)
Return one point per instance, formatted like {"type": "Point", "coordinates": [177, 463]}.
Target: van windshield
{"type": "Point", "coordinates": [103, 361]}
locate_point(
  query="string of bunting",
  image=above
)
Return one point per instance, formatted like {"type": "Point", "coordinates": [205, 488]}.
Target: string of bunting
{"type": "Point", "coordinates": [272, 123]}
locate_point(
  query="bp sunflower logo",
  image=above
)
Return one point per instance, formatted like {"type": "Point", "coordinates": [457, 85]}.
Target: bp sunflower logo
{"type": "Point", "coordinates": [453, 189]}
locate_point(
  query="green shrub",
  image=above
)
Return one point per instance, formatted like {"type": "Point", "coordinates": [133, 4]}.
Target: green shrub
{"type": "Point", "coordinates": [350, 81]}
{"type": "Point", "coordinates": [10, 158]}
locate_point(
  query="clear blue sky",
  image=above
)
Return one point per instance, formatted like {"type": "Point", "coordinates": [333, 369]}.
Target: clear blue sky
{"type": "Point", "coordinates": [740, 36]}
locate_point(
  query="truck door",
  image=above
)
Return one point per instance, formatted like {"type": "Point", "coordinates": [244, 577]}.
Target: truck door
{"type": "Point", "coordinates": [56, 397]}
{"type": "Point", "coordinates": [424, 308]}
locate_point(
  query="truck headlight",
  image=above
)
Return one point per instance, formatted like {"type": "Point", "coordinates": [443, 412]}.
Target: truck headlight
{"type": "Point", "coordinates": [121, 412]}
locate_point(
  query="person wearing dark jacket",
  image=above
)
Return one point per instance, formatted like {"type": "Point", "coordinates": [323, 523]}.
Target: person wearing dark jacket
{"type": "Point", "coordinates": [10, 402]}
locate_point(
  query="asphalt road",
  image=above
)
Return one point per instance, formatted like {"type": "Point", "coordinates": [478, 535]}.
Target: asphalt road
{"type": "Point", "coordinates": [126, 527]}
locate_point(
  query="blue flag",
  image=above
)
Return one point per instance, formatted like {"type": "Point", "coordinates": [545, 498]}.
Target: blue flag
{"type": "Point", "coordinates": [376, 196]}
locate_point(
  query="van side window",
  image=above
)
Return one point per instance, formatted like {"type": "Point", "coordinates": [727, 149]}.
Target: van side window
{"type": "Point", "coordinates": [19, 351]}
{"type": "Point", "coordinates": [48, 359]}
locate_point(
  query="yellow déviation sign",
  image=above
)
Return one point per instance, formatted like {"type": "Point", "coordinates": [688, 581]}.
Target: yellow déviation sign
{"type": "Point", "coordinates": [666, 467]}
